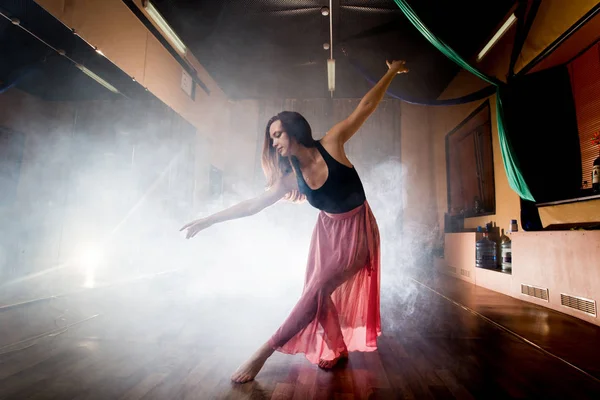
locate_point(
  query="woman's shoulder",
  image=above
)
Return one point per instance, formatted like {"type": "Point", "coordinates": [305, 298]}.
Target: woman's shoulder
{"type": "Point", "coordinates": [333, 145]}
{"type": "Point", "coordinates": [330, 143]}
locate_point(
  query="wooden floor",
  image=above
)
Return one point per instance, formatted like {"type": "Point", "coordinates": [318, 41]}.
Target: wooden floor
{"type": "Point", "coordinates": [570, 339]}
{"type": "Point", "coordinates": [155, 340]}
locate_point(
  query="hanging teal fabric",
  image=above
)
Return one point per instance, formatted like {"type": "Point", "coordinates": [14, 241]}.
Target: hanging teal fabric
{"type": "Point", "coordinates": [511, 165]}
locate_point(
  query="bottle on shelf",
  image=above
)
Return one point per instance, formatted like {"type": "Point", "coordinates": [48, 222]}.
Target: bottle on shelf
{"type": "Point", "coordinates": [485, 251]}
{"type": "Point", "coordinates": [596, 165]}
{"type": "Point", "coordinates": [505, 252]}
{"type": "Point", "coordinates": [596, 176]}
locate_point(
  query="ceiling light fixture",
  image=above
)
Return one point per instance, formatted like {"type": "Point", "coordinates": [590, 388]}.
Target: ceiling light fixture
{"type": "Point", "coordinates": [324, 11]}
{"type": "Point", "coordinates": [97, 78]}
{"type": "Point", "coordinates": [325, 46]}
{"type": "Point", "coordinates": [331, 75]}
{"type": "Point", "coordinates": [165, 28]}
{"type": "Point", "coordinates": [507, 24]}
{"type": "Point", "coordinates": [331, 61]}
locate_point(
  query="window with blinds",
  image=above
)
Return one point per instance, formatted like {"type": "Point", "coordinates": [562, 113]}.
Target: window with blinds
{"type": "Point", "coordinates": [585, 83]}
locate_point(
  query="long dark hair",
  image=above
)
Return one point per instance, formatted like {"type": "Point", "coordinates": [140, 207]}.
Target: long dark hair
{"type": "Point", "coordinates": [274, 165]}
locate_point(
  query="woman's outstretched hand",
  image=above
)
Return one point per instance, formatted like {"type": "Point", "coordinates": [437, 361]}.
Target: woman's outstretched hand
{"type": "Point", "coordinates": [398, 66]}
{"type": "Point", "coordinates": [196, 226]}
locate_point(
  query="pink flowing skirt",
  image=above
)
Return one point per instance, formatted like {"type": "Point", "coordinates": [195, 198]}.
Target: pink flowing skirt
{"type": "Point", "coordinates": [339, 307]}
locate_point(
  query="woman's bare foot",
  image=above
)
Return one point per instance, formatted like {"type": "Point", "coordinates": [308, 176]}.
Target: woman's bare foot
{"type": "Point", "coordinates": [248, 370]}
{"type": "Point", "coordinates": [328, 364]}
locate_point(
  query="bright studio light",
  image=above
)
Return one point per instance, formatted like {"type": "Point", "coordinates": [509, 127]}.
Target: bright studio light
{"type": "Point", "coordinates": [165, 28]}
{"type": "Point", "coordinates": [507, 24]}
{"type": "Point", "coordinates": [90, 256]}
{"type": "Point", "coordinates": [97, 78]}
{"type": "Point", "coordinates": [90, 279]}
{"type": "Point", "coordinates": [331, 74]}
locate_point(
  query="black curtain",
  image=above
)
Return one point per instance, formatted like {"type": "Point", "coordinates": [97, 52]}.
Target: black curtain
{"type": "Point", "coordinates": [542, 126]}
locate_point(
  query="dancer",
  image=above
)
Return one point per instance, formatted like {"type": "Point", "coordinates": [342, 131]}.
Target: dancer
{"type": "Point", "coordinates": [338, 310]}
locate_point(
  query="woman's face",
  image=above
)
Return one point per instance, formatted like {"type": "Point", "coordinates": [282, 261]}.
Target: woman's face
{"type": "Point", "coordinates": [281, 140]}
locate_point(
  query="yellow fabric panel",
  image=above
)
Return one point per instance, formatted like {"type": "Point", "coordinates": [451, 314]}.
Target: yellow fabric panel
{"type": "Point", "coordinates": [112, 27]}
{"type": "Point", "coordinates": [578, 41]}
{"type": "Point", "coordinates": [122, 37]}
{"type": "Point", "coordinates": [57, 8]}
{"type": "Point", "coordinates": [580, 212]}
{"type": "Point", "coordinates": [163, 76]}
{"type": "Point", "coordinates": [204, 76]}
{"type": "Point", "coordinates": [553, 18]}
{"type": "Point", "coordinates": [108, 25]}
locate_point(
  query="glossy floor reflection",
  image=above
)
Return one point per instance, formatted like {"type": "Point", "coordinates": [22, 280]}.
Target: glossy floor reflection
{"type": "Point", "coordinates": [570, 339]}
{"type": "Point", "coordinates": [156, 340]}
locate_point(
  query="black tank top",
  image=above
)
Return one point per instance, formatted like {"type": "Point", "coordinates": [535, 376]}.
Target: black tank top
{"type": "Point", "coordinates": [342, 191]}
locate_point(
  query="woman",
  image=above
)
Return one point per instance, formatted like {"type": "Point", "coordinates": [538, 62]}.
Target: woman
{"type": "Point", "coordinates": [339, 307]}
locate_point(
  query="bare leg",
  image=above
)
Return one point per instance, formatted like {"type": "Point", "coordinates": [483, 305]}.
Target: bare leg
{"type": "Point", "coordinates": [329, 319]}
{"type": "Point", "coordinates": [302, 314]}
{"type": "Point", "coordinates": [247, 371]}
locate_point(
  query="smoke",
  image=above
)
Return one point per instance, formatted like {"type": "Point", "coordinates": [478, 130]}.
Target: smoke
{"type": "Point", "coordinates": [265, 255]}
{"type": "Point", "coordinates": [260, 256]}
{"type": "Point", "coordinates": [100, 201]}
{"type": "Point", "coordinates": [387, 191]}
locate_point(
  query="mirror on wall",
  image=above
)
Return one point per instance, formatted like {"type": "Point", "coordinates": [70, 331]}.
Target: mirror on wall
{"type": "Point", "coordinates": [96, 173]}
{"type": "Point", "coordinates": [470, 166]}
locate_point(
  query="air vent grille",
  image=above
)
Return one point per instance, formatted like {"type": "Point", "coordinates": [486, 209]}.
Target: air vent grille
{"type": "Point", "coordinates": [465, 272]}
{"type": "Point", "coordinates": [452, 269]}
{"type": "Point", "coordinates": [534, 291]}
{"type": "Point", "coordinates": [578, 303]}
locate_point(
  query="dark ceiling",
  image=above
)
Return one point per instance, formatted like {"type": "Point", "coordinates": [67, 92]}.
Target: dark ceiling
{"type": "Point", "coordinates": [262, 48]}
{"type": "Point", "coordinates": [274, 48]}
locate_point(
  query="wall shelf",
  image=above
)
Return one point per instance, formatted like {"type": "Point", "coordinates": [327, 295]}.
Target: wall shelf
{"type": "Point", "coordinates": [497, 269]}
{"type": "Point", "coordinates": [569, 201]}
{"type": "Point", "coordinates": [573, 213]}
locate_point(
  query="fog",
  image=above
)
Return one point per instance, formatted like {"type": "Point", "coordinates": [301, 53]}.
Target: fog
{"type": "Point", "coordinates": [97, 192]}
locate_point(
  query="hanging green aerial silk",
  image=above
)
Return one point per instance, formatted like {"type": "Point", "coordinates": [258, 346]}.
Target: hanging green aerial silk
{"type": "Point", "coordinates": [511, 164]}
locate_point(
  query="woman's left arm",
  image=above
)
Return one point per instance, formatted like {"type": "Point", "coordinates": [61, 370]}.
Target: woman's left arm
{"type": "Point", "coordinates": [345, 129]}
